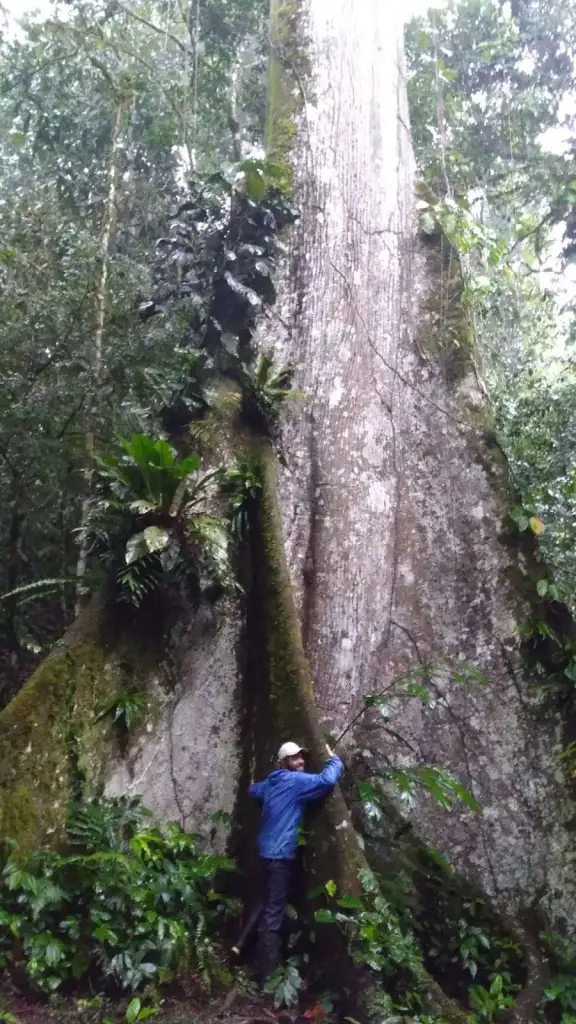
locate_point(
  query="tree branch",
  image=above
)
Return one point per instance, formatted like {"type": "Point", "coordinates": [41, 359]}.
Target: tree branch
{"type": "Point", "coordinates": [156, 28]}
{"type": "Point", "coordinates": [528, 234]}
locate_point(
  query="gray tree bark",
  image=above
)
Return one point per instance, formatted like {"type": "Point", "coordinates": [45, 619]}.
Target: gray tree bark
{"type": "Point", "coordinates": [393, 508]}
{"type": "Point", "coordinates": [393, 505]}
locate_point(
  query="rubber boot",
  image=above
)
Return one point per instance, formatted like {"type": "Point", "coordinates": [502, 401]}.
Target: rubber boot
{"type": "Point", "coordinates": [269, 946]}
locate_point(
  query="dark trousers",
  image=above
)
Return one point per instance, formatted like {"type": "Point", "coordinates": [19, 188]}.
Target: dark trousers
{"type": "Point", "coordinates": [277, 881]}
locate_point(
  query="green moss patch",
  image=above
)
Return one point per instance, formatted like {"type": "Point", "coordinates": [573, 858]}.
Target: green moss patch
{"type": "Point", "coordinates": [288, 78]}
{"type": "Point", "coordinates": [52, 747]}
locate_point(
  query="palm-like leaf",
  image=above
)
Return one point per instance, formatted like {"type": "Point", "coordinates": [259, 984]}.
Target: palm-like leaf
{"type": "Point", "coordinates": [148, 469]}
{"type": "Point", "coordinates": [150, 520]}
{"type": "Point", "coordinates": [265, 389]}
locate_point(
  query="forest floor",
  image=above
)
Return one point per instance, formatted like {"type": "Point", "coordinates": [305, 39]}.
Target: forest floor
{"type": "Point", "coordinates": [230, 1008]}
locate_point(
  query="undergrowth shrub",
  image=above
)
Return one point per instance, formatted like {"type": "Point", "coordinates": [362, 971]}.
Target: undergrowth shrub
{"type": "Point", "coordinates": [123, 904]}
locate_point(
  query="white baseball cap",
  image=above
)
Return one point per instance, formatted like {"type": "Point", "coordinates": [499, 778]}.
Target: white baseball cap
{"type": "Point", "coordinates": [290, 750]}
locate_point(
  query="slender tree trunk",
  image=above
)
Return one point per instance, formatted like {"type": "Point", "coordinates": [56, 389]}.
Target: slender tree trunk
{"type": "Point", "coordinates": [66, 550]}
{"type": "Point", "coordinates": [98, 355]}
{"type": "Point", "coordinates": [17, 519]}
{"type": "Point", "coordinates": [440, 113]}
{"type": "Point", "coordinates": [191, 90]}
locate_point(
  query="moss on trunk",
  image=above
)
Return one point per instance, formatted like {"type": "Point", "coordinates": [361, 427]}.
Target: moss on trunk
{"type": "Point", "coordinates": [52, 747]}
{"type": "Point", "coordinates": [291, 697]}
{"type": "Point", "coordinates": [288, 71]}
{"type": "Point", "coordinates": [334, 850]}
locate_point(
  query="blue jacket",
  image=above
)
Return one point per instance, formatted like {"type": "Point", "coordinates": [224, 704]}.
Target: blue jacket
{"type": "Point", "coordinates": [283, 795]}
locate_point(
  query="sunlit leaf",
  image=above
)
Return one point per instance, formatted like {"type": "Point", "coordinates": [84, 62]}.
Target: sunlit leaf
{"type": "Point", "coordinates": [156, 538]}
{"type": "Point", "coordinates": [136, 547]}
{"type": "Point", "coordinates": [536, 525]}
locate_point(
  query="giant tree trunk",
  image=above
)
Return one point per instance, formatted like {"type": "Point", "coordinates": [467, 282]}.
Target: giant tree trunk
{"type": "Point", "coordinates": [394, 506]}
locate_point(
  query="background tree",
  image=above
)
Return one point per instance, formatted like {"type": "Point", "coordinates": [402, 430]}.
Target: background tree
{"type": "Point", "coordinates": [491, 99]}
{"type": "Point", "coordinates": [104, 114]}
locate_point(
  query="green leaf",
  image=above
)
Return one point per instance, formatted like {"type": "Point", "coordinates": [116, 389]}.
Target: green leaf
{"type": "Point", "coordinates": [35, 590]}
{"type": "Point", "coordinates": [497, 985]}
{"type": "Point", "coordinates": [350, 902]}
{"type": "Point", "coordinates": [450, 225]}
{"type": "Point", "coordinates": [255, 183]}
{"type": "Point", "coordinates": [324, 916]}
{"type": "Point", "coordinates": [569, 752]}
{"type": "Point", "coordinates": [367, 792]}
{"type": "Point", "coordinates": [242, 290]}
{"type": "Point", "coordinates": [570, 671]}
{"type": "Point", "coordinates": [142, 506]}
{"type": "Point", "coordinates": [415, 690]}
{"type": "Point", "coordinates": [189, 465]}
{"type": "Point", "coordinates": [439, 783]}
{"type": "Point", "coordinates": [542, 588]}
{"type": "Point", "coordinates": [428, 223]}
{"type": "Point", "coordinates": [156, 538]}
{"type": "Point", "coordinates": [136, 548]}
{"type": "Point", "coordinates": [374, 700]}
{"type": "Point", "coordinates": [330, 887]}
{"type": "Point", "coordinates": [54, 953]}
{"type": "Point", "coordinates": [133, 1011]}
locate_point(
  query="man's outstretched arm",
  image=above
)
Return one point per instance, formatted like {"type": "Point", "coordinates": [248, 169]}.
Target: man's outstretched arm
{"type": "Point", "coordinates": [256, 790]}
{"type": "Point", "coordinates": [311, 787]}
